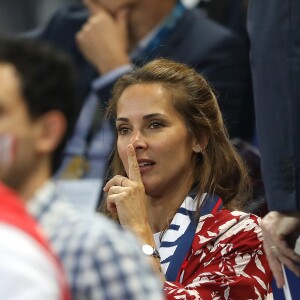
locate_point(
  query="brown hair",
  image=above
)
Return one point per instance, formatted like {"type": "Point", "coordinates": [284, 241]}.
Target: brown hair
{"type": "Point", "coordinates": [219, 170]}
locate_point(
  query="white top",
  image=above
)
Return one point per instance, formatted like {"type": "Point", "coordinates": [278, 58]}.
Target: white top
{"type": "Point", "coordinates": [26, 270]}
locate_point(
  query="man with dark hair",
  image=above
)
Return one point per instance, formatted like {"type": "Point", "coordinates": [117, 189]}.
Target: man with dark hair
{"type": "Point", "coordinates": [48, 85]}
{"type": "Point", "coordinates": [37, 112]}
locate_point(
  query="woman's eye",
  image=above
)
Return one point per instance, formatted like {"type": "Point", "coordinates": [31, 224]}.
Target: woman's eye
{"type": "Point", "coordinates": [156, 124]}
{"type": "Point", "coordinates": [122, 130]}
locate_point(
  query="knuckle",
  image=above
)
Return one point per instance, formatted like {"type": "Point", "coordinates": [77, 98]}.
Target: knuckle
{"type": "Point", "coordinates": [135, 166]}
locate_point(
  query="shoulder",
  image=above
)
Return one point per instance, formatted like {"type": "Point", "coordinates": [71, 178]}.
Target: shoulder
{"type": "Point", "coordinates": [226, 249]}
{"type": "Point", "coordinates": [235, 237]}
{"type": "Point", "coordinates": [224, 220]}
{"type": "Point", "coordinates": [64, 218]}
{"type": "Point", "coordinates": [21, 256]}
{"type": "Point", "coordinates": [194, 28]}
{"type": "Point", "coordinates": [109, 256]}
{"type": "Point", "coordinates": [18, 239]}
{"type": "Point", "coordinates": [199, 24]}
{"type": "Point", "coordinates": [63, 24]}
{"type": "Point", "coordinates": [97, 254]}
{"type": "Point", "coordinates": [229, 226]}
{"type": "Point", "coordinates": [71, 13]}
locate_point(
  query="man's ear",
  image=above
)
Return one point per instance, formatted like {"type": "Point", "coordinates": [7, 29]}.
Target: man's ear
{"type": "Point", "coordinates": [51, 130]}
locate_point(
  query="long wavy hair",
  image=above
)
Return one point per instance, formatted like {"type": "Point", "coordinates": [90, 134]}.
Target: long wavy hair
{"type": "Point", "coordinates": [219, 170]}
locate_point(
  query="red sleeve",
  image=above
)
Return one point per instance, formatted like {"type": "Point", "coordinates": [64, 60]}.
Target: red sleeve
{"type": "Point", "coordinates": [227, 261]}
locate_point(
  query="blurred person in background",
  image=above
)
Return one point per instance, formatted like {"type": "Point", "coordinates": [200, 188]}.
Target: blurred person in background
{"type": "Point", "coordinates": [274, 32]}
{"type": "Point", "coordinates": [29, 270]}
{"type": "Point", "coordinates": [38, 111]}
{"type": "Point", "coordinates": [18, 16]}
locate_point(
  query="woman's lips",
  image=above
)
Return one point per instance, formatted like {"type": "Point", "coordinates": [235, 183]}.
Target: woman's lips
{"type": "Point", "coordinates": [145, 165]}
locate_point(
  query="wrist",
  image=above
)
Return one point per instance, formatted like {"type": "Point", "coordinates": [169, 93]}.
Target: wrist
{"type": "Point", "coordinates": [110, 65]}
{"type": "Point", "coordinates": [150, 251]}
{"type": "Point", "coordinates": [154, 257]}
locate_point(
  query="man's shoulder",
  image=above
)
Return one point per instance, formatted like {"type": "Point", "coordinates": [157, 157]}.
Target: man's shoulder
{"type": "Point", "coordinates": [73, 12]}
{"type": "Point", "coordinates": [66, 21]}
{"type": "Point", "coordinates": [202, 38]}
{"type": "Point", "coordinates": [97, 254]}
{"type": "Point", "coordinates": [198, 23]}
{"type": "Point", "coordinates": [70, 215]}
{"type": "Point", "coordinates": [65, 222]}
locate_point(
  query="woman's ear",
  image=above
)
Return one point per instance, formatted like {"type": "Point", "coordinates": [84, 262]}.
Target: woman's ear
{"type": "Point", "coordinates": [52, 129]}
{"type": "Point", "coordinates": [197, 149]}
{"type": "Point", "coordinates": [200, 144]}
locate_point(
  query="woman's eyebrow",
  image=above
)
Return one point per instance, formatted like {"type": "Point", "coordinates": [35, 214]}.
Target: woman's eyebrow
{"type": "Point", "coordinates": [149, 116]}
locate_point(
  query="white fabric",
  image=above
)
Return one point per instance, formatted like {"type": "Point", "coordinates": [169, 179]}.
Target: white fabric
{"type": "Point", "coordinates": [191, 3]}
{"type": "Point", "coordinates": [26, 270]}
{"type": "Point", "coordinates": [171, 236]}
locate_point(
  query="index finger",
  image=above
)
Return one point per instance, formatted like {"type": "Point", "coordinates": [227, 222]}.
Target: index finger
{"type": "Point", "coordinates": [133, 165]}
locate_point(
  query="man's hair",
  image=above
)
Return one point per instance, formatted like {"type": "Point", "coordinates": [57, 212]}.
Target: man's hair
{"type": "Point", "coordinates": [47, 82]}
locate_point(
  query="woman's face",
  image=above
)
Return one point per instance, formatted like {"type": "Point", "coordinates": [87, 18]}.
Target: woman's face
{"type": "Point", "coordinates": [147, 119]}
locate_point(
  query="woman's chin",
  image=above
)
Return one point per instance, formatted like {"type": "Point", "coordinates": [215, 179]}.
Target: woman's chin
{"type": "Point", "coordinates": [149, 188]}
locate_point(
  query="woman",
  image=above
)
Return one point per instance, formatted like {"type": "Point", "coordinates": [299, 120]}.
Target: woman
{"type": "Point", "coordinates": [172, 165]}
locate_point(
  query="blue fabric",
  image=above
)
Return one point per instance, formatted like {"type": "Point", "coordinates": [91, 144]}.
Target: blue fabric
{"type": "Point", "coordinates": [294, 285]}
{"type": "Point", "coordinates": [273, 27]}
{"type": "Point", "coordinates": [184, 243]}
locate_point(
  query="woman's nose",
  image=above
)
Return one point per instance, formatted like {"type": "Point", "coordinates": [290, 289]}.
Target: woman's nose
{"type": "Point", "coordinates": [138, 140]}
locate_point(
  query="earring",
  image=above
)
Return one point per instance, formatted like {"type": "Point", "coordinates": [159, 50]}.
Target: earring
{"type": "Point", "coordinates": [198, 149]}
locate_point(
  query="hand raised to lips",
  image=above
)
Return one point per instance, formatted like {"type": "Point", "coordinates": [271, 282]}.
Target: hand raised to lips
{"type": "Point", "coordinates": [133, 170]}
{"type": "Point", "coordinates": [133, 165]}
{"type": "Point", "coordinates": [126, 196]}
